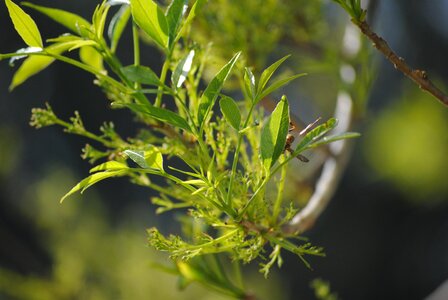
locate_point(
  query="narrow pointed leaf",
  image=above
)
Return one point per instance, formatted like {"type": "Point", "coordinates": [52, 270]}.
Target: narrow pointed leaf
{"type": "Point", "coordinates": [150, 159]}
{"type": "Point", "coordinates": [150, 18]}
{"type": "Point", "coordinates": [141, 74]}
{"type": "Point", "coordinates": [267, 74]}
{"type": "Point", "coordinates": [213, 89]}
{"type": "Point", "coordinates": [249, 83]}
{"type": "Point", "coordinates": [161, 114]}
{"type": "Point", "coordinates": [36, 63]}
{"type": "Point", "coordinates": [182, 69]}
{"type": "Point", "coordinates": [174, 15]}
{"type": "Point", "coordinates": [195, 9]}
{"type": "Point", "coordinates": [273, 135]}
{"type": "Point", "coordinates": [71, 21]}
{"type": "Point", "coordinates": [24, 25]}
{"type": "Point", "coordinates": [109, 166]}
{"type": "Point", "coordinates": [230, 111]}
{"type": "Point", "coordinates": [329, 139]}
{"type": "Point", "coordinates": [315, 135]}
{"type": "Point", "coordinates": [278, 84]}
{"type": "Point", "coordinates": [117, 26]}
{"type": "Point", "coordinates": [90, 56]}
{"type": "Point", "coordinates": [91, 180]}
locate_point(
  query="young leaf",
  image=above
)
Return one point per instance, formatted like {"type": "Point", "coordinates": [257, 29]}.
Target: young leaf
{"type": "Point", "coordinates": [174, 15]}
{"type": "Point", "coordinates": [214, 87]}
{"type": "Point", "coordinates": [249, 83]}
{"type": "Point", "coordinates": [315, 134]}
{"type": "Point", "coordinates": [24, 25]}
{"type": "Point", "coordinates": [117, 25]}
{"type": "Point", "coordinates": [267, 74]}
{"type": "Point", "coordinates": [141, 74]}
{"type": "Point", "coordinates": [273, 135]}
{"type": "Point", "coordinates": [99, 19]}
{"type": "Point", "coordinates": [329, 139]}
{"type": "Point", "coordinates": [36, 63]}
{"type": "Point", "coordinates": [150, 159]}
{"type": "Point", "coordinates": [149, 17]}
{"type": "Point", "coordinates": [182, 69]}
{"type": "Point", "coordinates": [90, 56]}
{"type": "Point", "coordinates": [278, 84]}
{"type": "Point", "coordinates": [230, 111]}
{"type": "Point", "coordinates": [193, 12]}
{"type": "Point", "coordinates": [69, 20]}
{"type": "Point", "coordinates": [91, 180]}
{"type": "Point", "coordinates": [161, 114]}
{"type": "Point", "coordinates": [109, 166]}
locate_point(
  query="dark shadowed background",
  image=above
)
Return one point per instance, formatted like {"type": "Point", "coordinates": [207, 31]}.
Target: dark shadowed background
{"type": "Point", "coordinates": [385, 232]}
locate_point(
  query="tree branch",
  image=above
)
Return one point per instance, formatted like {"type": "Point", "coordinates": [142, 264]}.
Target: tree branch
{"type": "Point", "coordinates": [420, 77]}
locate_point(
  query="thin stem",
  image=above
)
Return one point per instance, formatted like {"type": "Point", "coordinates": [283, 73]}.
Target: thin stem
{"type": "Point", "coordinates": [278, 201]}
{"type": "Point", "coordinates": [136, 43]}
{"type": "Point", "coordinates": [420, 77]}
{"type": "Point", "coordinates": [165, 68]}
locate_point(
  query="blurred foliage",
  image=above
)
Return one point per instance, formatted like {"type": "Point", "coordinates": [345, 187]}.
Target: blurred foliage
{"type": "Point", "coordinates": [407, 145]}
{"type": "Point", "coordinates": [91, 258]}
{"type": "Point", "coordinates": [322, 290]}
{"type": "Point", "coordinates": [9, 149]}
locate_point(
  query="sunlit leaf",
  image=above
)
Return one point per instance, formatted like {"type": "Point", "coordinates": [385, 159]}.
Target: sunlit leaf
{"type": "Point", "coordinates": [249, 83]}
{"type": "Point", "coordinates": [149, 159]}
{"type": "Point", "coordinates": [230, 111]}
{"type": "Point", "coordinates": [267, 74]}
{"type": "Point", "coordinates": [117, 26]}
{"type": "Point", "coordinates": [214, 87]}
{"type": "Point", "coordinates": [278, 84]}
{"type": "Point", "coordinates": [329, 139]}
{"type": "Point", "coordinates": [315, 135]}
{"type": "Point", "coordinates": [91, 180]}
{"type": "Point", "coordinates": [273, 135]}
{"type": "Point", "coordinates": [71, 21]}
{"type": "Point", "coordinates": [24, 25]}
{"type": "Point", "coordinates": [174, 16]}
{"type": "Point", "coordinates": [191, 15]}
{"type": "Point", "coordinates": [141, 74]}
{"type": "Point", "coordinates": [182, 69]}
{"type": "Point", "coordinates": [150, 18]}
{"type": "Point", "coordinates": [109, 166]}
{"type": "Point", "coordinates": [36, 63]}
{"type": "Point", "coordinates": [90, 56]}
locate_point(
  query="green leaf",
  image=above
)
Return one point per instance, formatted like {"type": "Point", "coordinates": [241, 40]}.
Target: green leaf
{"type": "Point", "coordinates": [150, 18]}
{"type": "Point", "coordinates": [213, 89]}
{"type": "Point", "coordinates": [273, 135]}
{"type": "Point", "coordinates": [109, 166]}
{"type": "Point", "coordinates": [329, 139]}
{"type": "Point", "coordinates": [197, 6]}
{"type": "Point", "coordinates": [91, 180]}
{"type": "Point", "coordinates": [35, 63]}
{"type": "Point", "coordinates": [99, 19]}
{"type": "Point", "coordinates": [161, 114]}
{"type": "Point", "coordinates": [90, 56]}
{"type": "Point", "coordinates": [182, 69]}
{"type": "Point", "coordinates": [249, 83]}
{"type": "Point", "coordinates": [24, 25]}
{"type": "Point", "coordinates": [267, 74]}
{"type": "Point", "coordinates": [141, 74]}
{"type": "Point", "coordinates": [117, 26]}
{"type": "Point", "coordinates": [278, 84]}
{"type": "Point", "coordinates": [174, 15]}
{"type": "Point", "coordinates": [314, 135]}
{"type": "Point", "coordinates": [149, 159]}
{"type": "Point", "coordinates": [69, 20]}
{"type": "Point", "coordinates": [230, 111]}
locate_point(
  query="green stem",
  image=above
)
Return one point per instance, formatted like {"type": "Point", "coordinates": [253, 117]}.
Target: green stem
{"type": "Point", "coordinates": [278, 201]}
{"type": "Point", "coordinates": [136, 42]}
{"type": "Point", "coordinates": [165, 68]}
{"type": "Point", "coordinates": [236, 157]}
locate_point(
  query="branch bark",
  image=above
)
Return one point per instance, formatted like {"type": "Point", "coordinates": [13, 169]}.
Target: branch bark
{"type": "Point", "coordinates": [420, 77]}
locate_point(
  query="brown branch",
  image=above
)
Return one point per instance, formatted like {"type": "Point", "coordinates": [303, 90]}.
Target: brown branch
{"type": "Point", "coordinates": [420, 77]}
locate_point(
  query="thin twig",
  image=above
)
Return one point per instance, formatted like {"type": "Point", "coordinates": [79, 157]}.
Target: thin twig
{"type": "Point", "coordinates": [420, 77]}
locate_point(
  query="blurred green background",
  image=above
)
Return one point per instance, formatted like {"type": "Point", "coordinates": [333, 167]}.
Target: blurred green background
{"type": "Point", "coordinates": [385, 232]}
